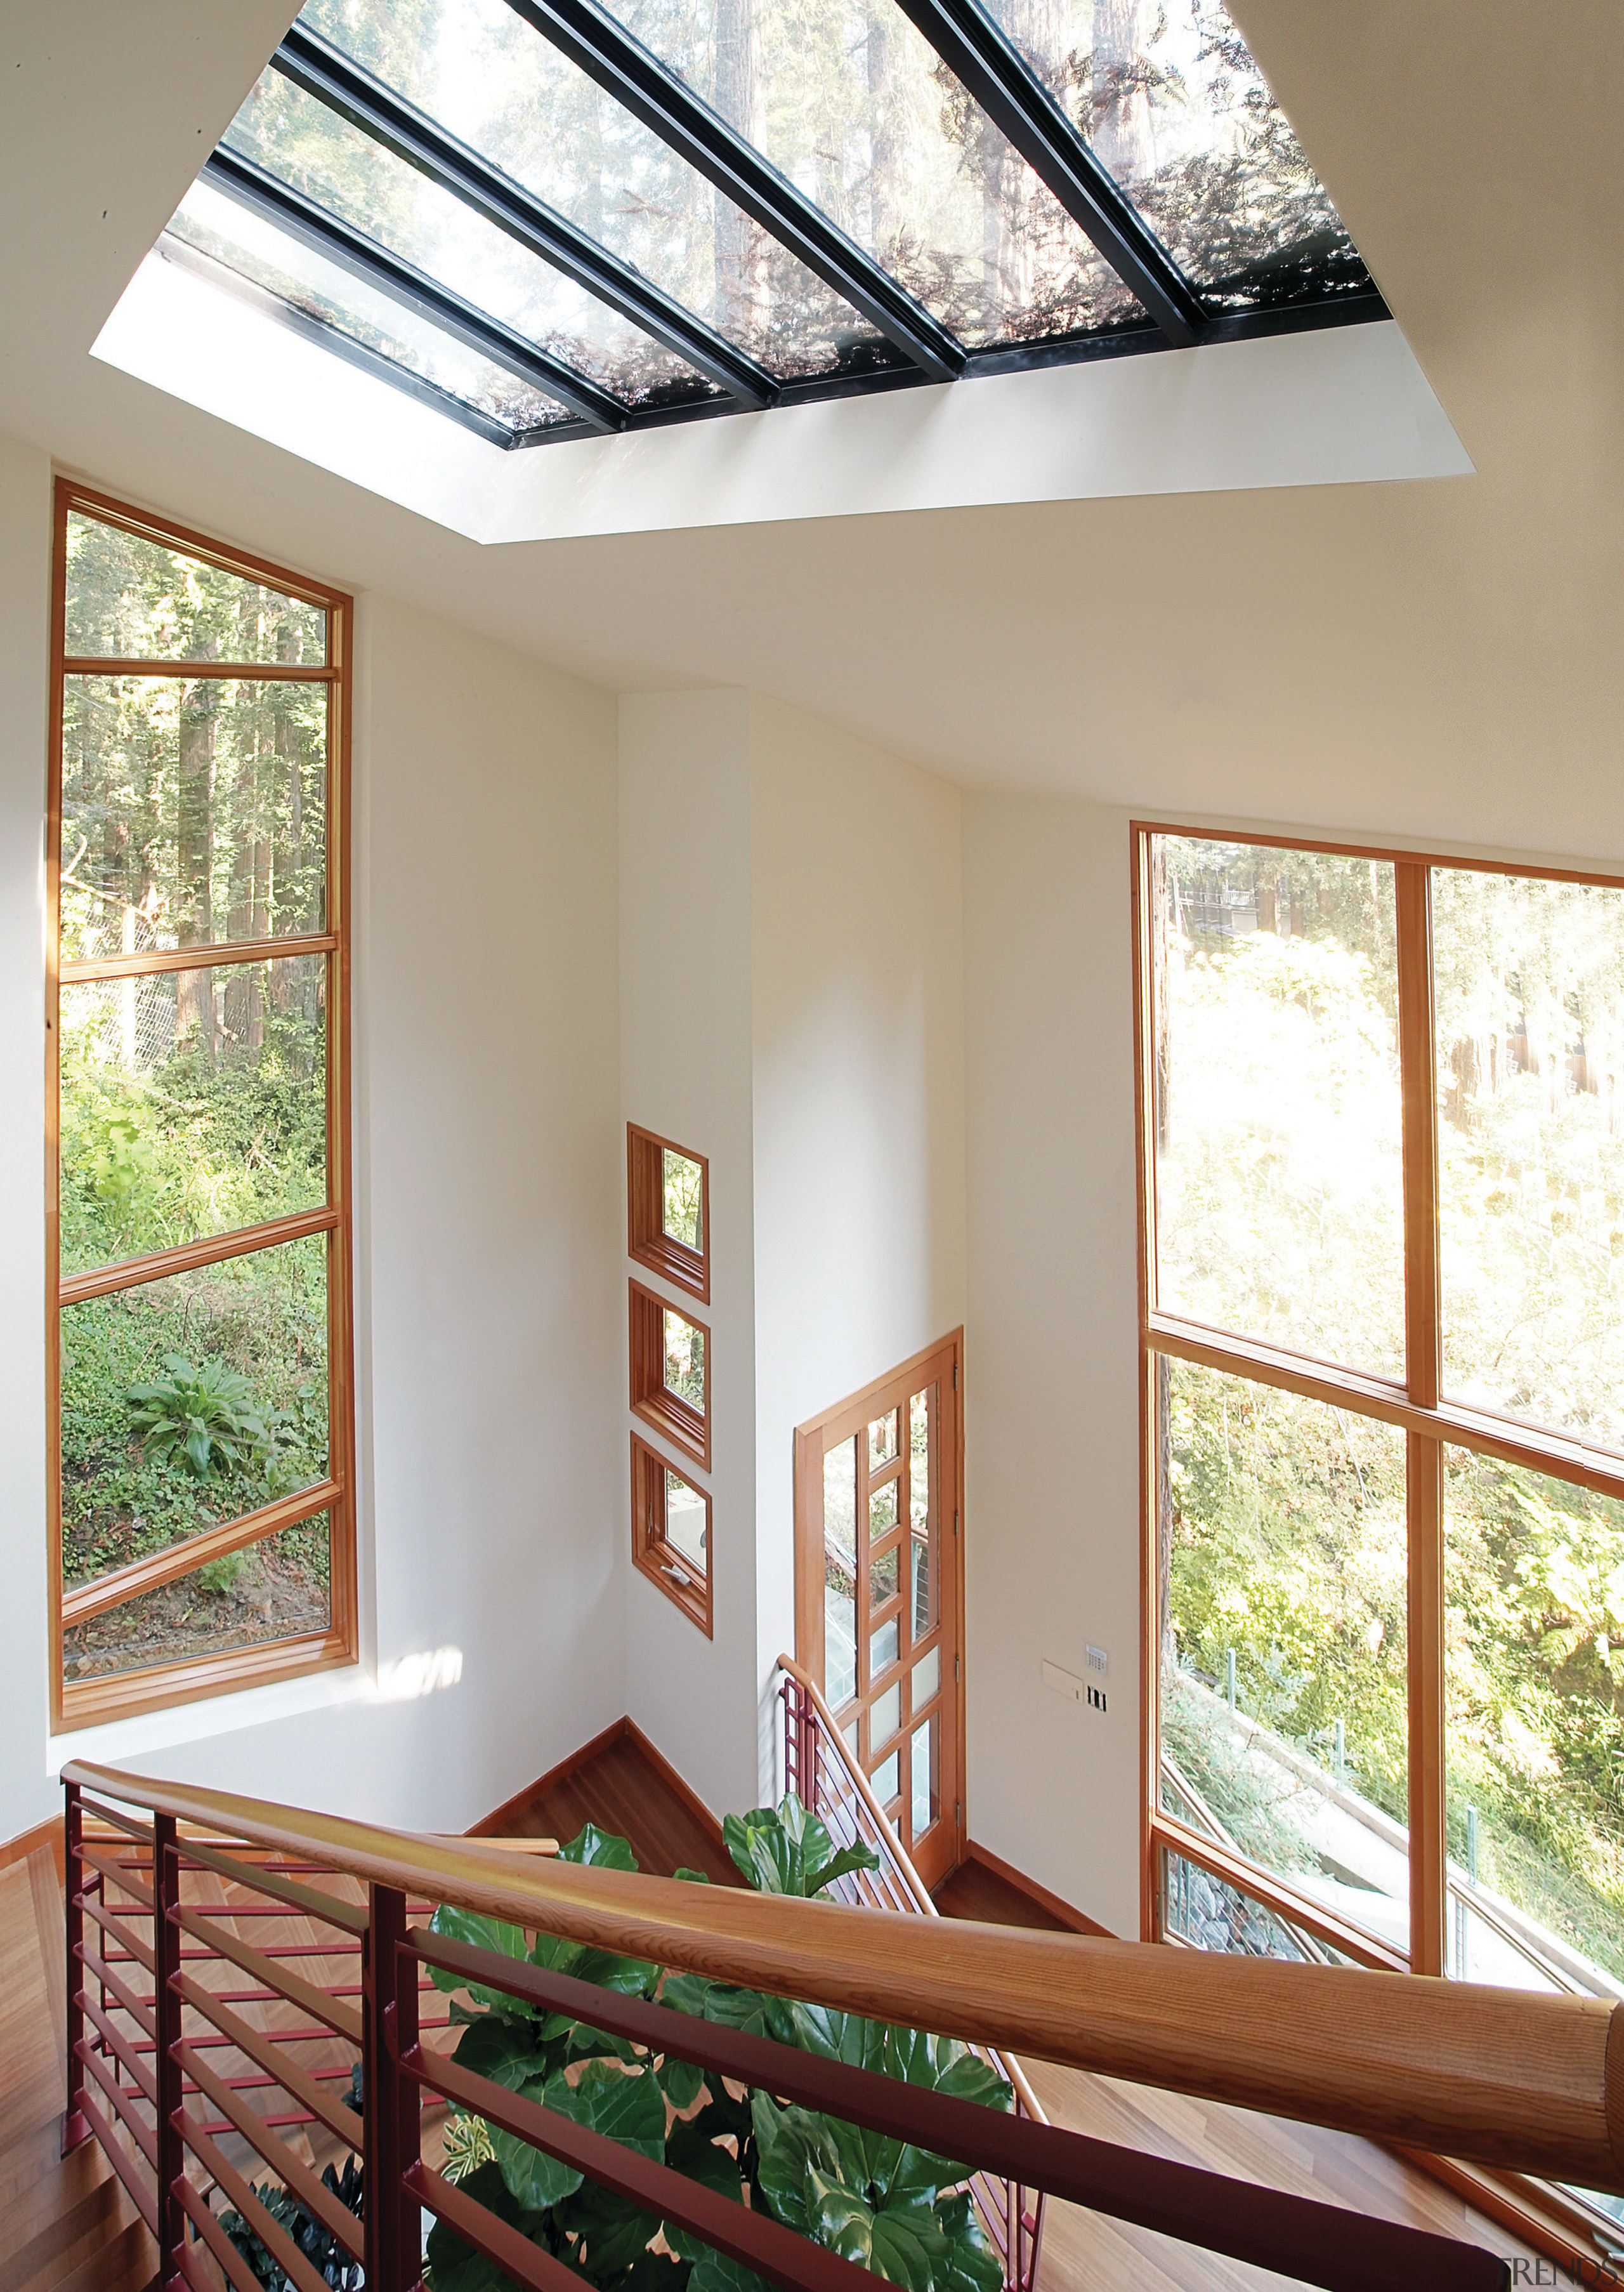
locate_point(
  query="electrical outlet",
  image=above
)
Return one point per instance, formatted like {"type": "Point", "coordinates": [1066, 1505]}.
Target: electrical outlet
{"type": "Point", "coordinates": [1097, 1698]}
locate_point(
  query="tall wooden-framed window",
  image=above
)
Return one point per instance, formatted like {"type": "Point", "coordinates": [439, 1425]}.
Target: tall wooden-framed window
{"type": "Point", "coordinates": [198, 1256]}
{"type": "Point", "coordinates": [668, 1211]}
{"type": "Point", "coordinates": [671, 1532]}
{"type": "Point", "coordinates": [1382, 1123]}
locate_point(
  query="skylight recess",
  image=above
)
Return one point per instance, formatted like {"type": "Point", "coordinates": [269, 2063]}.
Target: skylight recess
{"type": "Point", "coordinates": [548, 218]}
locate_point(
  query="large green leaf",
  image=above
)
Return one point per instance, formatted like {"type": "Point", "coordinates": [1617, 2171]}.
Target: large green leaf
{"type": "Point", "coordinates": [692, 2149]}
{"type": "Point", "coordinates": [682, 2081]}
{"type": "Point", "coordinates": [506, 2052]}
{"type": "Point", "coordinates": [611, 2234]}
{"type": "Point", "coordinates": [629, 2108]}
{"type": "Point", "coordinates": [481, 1933]}
{"type": "Point", "coordinates": [970, 2263]}
{"type": "Point", "coordinates": [601, 1848]}
{"type": "Point", "coordinates": [718, 2001]}
{"type": "Point", "coordinates": [456, 2266]}
{"type": "Point", "coordinates": [785, 1850]}
{"type": "Point", "coordinates": [713, 2271]}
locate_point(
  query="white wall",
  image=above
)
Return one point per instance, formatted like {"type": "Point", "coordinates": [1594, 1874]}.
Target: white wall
{"type": "Point", "coordinates": [1051, 1411]}
{"type": "Point", "coordinates": [858, 1087]}
{"type": "Point", "coordinates": [487, 1167]}
{"type": "Point", "coordinates": [25, 594]}
{"type": "Point", "coordinates": [685, 1074]}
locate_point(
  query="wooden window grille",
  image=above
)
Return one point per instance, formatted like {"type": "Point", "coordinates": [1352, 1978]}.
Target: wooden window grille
{"type": "Point", "coordinates": [197, 881]}
{"type": "Point", "coordinates": [671, 1532]}
{"type": "Point", "coordinates": [670, 1371]}
{"type": "Point", "coordinates": [668, 1211]}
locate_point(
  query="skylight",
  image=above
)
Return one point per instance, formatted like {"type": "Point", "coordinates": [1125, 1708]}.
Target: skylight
{"type": "Point", "coordinates": [556, 218]}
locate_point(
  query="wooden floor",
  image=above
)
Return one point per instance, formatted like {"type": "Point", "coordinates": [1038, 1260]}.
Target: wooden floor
{"type": "Point", "coordinates": [974, 1891]}
{"type": "Point", "coordinates": [620, 1782]}
{"type": "Point", "coordinates": [66, 2225]}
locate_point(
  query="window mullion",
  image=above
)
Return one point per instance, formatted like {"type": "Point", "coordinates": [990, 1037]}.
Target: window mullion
{"type": "Point", "coordinates": [1424, 1453]}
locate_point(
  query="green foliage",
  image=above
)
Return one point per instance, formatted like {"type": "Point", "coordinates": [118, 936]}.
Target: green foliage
{"type": "Point", "coordinates": [784, 1850]}
{"type": "Point", "coordinates": [1279, 1180]}
{"type": "Point", "coordinates": [900, 2213]}
{"type": "Point", "coordinates": [203, 1416]}
{"type": "Point", "coordinates": [221, 1575]}
{"type": "Point", "coordinates": [315, 2242]}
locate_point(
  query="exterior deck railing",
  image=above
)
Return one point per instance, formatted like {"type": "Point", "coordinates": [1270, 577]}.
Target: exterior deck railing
{"type": "Point", "coordinates": [232, 1963]}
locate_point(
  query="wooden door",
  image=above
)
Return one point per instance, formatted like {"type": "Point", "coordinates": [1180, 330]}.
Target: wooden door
{"type": "Point", "coordinates": [879, 1593]}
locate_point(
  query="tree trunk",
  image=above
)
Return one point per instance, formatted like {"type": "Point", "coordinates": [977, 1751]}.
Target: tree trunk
{"type": "Point", "coordinates": [1120, 131]}
{"type": "Point", "coordinates": [195, 856]}
{"type": "Point", "coordinates": [738, 93]}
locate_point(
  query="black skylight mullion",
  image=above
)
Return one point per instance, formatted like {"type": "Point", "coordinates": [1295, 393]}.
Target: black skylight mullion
{"type": "Point", "coordinates": [337, 343]}
{"type": "Point", "coordinates": [264, 194]}
{"type": "Point", "coordinates": [998, 77]}
{"type": "Point", "coordinates": [377, 111]}
{"type": "Point", "coordinates": [600, 46]}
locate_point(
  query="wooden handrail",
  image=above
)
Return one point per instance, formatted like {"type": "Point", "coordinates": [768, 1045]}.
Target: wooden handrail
{"type": "Point", "coordinates": [1497, 2077]}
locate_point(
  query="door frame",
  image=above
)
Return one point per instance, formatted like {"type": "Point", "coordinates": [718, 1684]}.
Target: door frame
{"type": "Point", "coordinates": [837, 1423]}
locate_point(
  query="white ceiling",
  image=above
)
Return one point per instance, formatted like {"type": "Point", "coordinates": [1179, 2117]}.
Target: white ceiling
{"type": "Point", "coordinates": [1437, 657]}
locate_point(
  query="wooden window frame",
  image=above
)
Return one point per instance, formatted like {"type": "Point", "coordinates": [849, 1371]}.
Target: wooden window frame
{"type": "Point", "coordinates": [670, 1570]}
{"type": "Point", "coordinates": [647, 1243]}
{"type": "Point", "coordinates": [652, 1399]}
{"type": "Point", "coordinates": [1412, 1402]}
{"type": "Point", "coordinates": [82, 1703]}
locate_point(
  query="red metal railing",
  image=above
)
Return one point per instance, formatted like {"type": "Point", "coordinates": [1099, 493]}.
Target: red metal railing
{"type": "Point", "coordinates": [819, 1768]}
{"type": "Point", "coordinates": [176, 2019]}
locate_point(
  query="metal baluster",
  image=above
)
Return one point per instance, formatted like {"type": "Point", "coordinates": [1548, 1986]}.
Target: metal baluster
{"type": "Point", "coordinates": [75, 2129]}
{"type": "Point", "coordinates": [389, 2027]}
{"type": "Point", "coordinates": [167, 2014]}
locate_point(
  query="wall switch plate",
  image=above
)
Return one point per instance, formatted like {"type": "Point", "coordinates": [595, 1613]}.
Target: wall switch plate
{"type": "Point", "coordinates": [1063, 1683]}
{"type": "Point", "coordinates": [1096, 1697]}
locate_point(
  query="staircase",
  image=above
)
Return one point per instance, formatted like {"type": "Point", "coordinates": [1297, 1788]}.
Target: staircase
{"type": "Point", "coordinates": [67, 2225]}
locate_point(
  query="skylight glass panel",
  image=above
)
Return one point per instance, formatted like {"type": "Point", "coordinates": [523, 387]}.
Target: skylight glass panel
{"type": "Point", "coordinates": [487, 78]}
{"type": "Point", "coordinates": [253, 248]}
{"type": "Point", "coordinates": [301, 142]}
{"type": "Point", "coordinates": [1167, 95]}
{"type": "Point", "coordinates": [854, 105]}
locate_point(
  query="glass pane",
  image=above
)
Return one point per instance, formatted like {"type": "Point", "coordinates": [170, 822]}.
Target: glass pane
{"type": "Point", "coordinates": [882, 1576]}
{"type": "Point", "coordinates": [853, 104]}
{"type": "Point", "coordinates": [1279, 1178]}
{"type": "Point", "coordinates": [189, 1401]}
{"type": "Point", "coordinates": [684, 1520]}
{"type": "Point", "coordinates": [1533, 1648]}
{"type": "Point", "coordinates": [129, 597]}
{"type": "Point", "coordinates": [252, 247]}
{"type": "Point", "coordinates": [886, 1779]}
{"type": "Point", "coordinates": [1175, 107]}
{"type": "Point", "coordinates": [1284, 1703]}
{"type": "Point", "coordinates": [885, 1715]}
{"type": "Point", "coordinates": [193, 1101]}
{"type": "Point", "coordinates": [882, 1441]}
{"type": "Point", "coordinates": [850, 1736]}
{"type": "Point", "coordinates": [473, 66]}
{"type": "Point", "coordinates": [682, 1210]}
{"type": "Point", "coordinates": [279, 1589]}
{"type": "Point", "coordinates": [882, 1509]}
{"type": "Point", "coordinates": [193, 812]}
{"type": "Point", "coordinates": [883, 1649]}
{"type": "Point", "coordinates": [926, 1679]}
{"type": "Point", "coordinates": [684, 1359]}
{"type": "Point", "coordinates": [1529, 998]}
{"type": "Point", "coordinates": [923, 1800]}
{"type": "Point", "coordinates": [841, 1572]}
{"type": "Point", "coordinates": [921, 1515]}
{"type": "Point", "coordinates": [1214, 1916]}
{"type": "Point", "coordinates": [299, 139]}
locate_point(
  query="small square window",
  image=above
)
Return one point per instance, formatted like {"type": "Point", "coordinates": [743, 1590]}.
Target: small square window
{"type": "Point", "coordinates": [668, 1211]}
{"type": "Point", "coordinates": [670, 1371]}
{"type": "Point", "coordinates": [671, 1532]}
